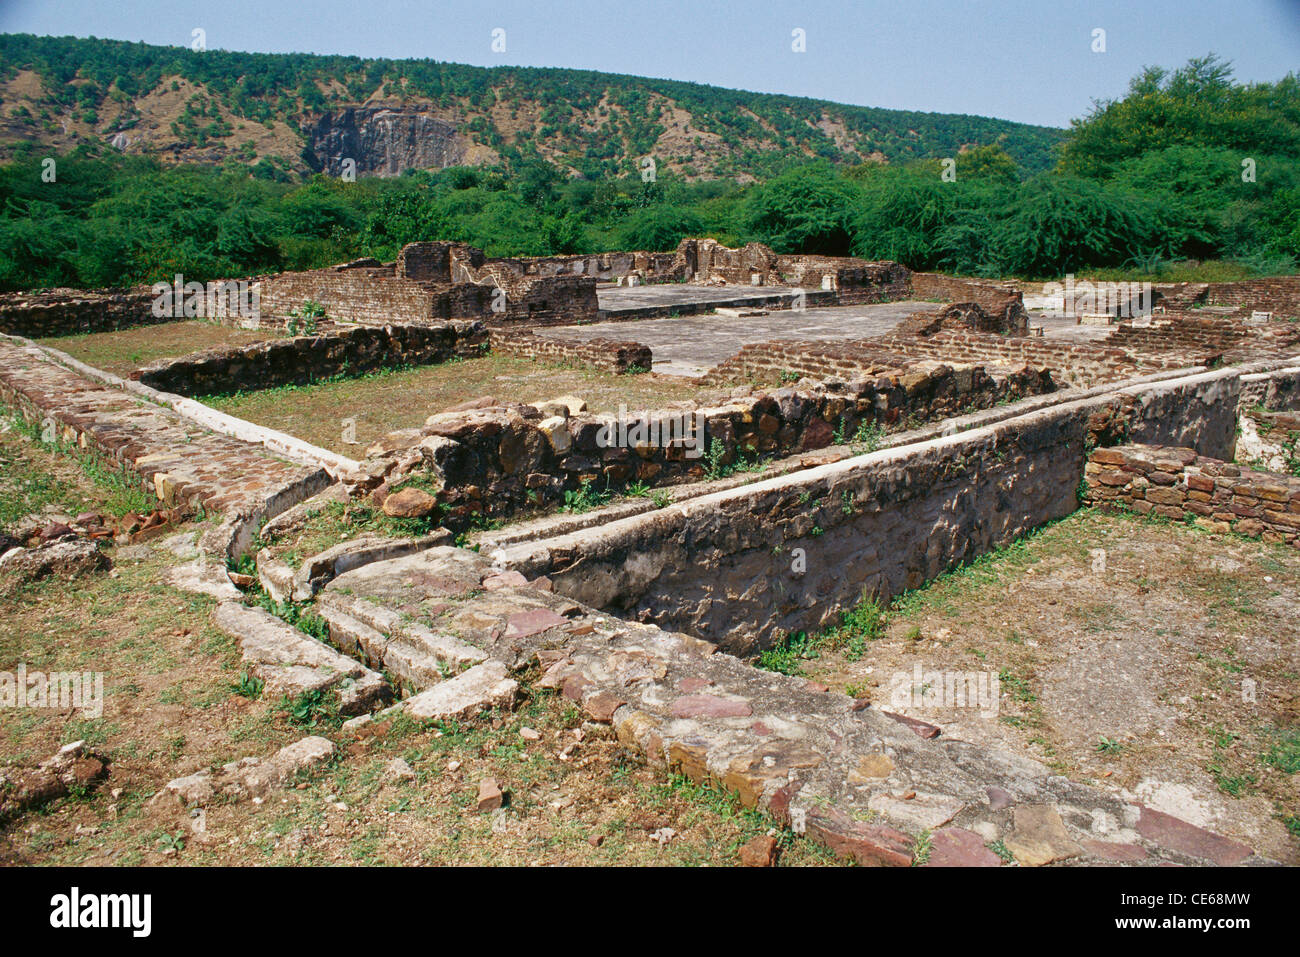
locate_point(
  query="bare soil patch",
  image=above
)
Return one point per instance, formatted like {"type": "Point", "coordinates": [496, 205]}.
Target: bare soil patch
{"type": "Point", "coordinates": [386, 401]}
{"type": "Point", "coordinates": [1153, 658]}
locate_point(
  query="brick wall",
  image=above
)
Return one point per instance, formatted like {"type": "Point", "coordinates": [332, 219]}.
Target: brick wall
{"type": "Point", "coordinates": [607, 354]}
{"type": "Point", "coordinates": [1077, 364]}
{"type": "Point", "coordinates": [1178, 484]}
{"type": "Point", "coordinates": [64, 312]}
{"type": "Point", "coordinates": [1277, 294]}
{"type": "Point", "coordinates": [304, 359]}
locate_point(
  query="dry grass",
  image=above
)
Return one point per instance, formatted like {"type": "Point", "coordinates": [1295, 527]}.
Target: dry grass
{"type": "Point", "coordinates": [402, 399]}
{"type": "Point", "coordinates": [126, 349]}
{"type": "Point", "coordinates": [171, 708]}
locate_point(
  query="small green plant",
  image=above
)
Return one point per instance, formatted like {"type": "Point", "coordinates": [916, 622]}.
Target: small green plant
{"type": "Point", "coordinates": [172, 841]}
{"type": "Point", "coordinates": [869, 435]}
{"type": "Point", "coordinates": [249, 686]}
{"type": "Point", "coordinates": [786, 656]}
{"type": "Point", "coordinates": [1285, 752]}
{"type": "Point", "coordinates": [637, 490]}
{"type": "Point", "coordinates": [584, 498]}
{"type": "Point", "coordinates": [661, 499]}
{"type": "Point", "coordinates": [305, 319]}
{"type": "Point", "coordinates": [921, 848]}
{"type": "Point", "coordinates": [1000, 849]}
{"type": "Point", "coordinates": [310, 708]}
{"type": "Point", "coordinates": [1109, 745]}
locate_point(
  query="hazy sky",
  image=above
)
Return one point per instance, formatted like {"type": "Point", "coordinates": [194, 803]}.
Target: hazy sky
{"type": "Point", "coordinates": [1028, 60]}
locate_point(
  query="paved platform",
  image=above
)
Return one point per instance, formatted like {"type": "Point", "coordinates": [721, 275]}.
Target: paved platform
{"type": "Point", "coordinates": [691, 345]}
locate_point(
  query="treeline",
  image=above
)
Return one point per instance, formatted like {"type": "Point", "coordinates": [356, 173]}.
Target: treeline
{"type": "Point", "coordinates": [1219, 193]}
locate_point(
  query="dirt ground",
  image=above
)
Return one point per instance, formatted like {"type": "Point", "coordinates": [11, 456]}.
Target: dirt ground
{"type": "Point", "coordinates": [173, 706]}
{"type": "Point", "coordinates": [126, 349]}
{"type": "Point", "coordinates": [385, 401]}
{"type": "Point", "coordinates": [1134, 654]}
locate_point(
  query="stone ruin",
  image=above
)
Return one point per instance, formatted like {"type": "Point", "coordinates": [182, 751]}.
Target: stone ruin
{"type": "Point", "coordinates": [894, 457]}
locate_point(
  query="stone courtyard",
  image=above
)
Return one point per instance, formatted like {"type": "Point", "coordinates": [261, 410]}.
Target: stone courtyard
{"type": "Point", "coordinates": [701, 593]}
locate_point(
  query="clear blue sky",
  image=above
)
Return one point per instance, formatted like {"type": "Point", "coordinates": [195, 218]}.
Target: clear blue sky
{"type": "Point", "coordinates": [1027, 60]}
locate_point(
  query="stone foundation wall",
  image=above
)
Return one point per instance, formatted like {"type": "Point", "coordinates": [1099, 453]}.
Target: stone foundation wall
{"type": "Point", "coordinates": [1180, 485]}
{"type": "Point", "coordinates": [498, 461]}
{"type": "Point", "coordinates": [723, 566]}
{"type": "Point", "coordinates": [303, 359]}
{"type": "Point", "coordinates": [1078, 364]}
{"type": "Point", "coordinates": [992, 296]}
{"type": "Point", "coordinates": [792, 359]}
{"type": "Point", "coordinates": [65, 312]}
{"type": "Point", "coordinates": [1277, 294]}
{"type": "Point", "coordinates": [609, 355]}
{"type": "Point", "coordinates": [1205, 338]}
{"type": "Point", "coordinates": [386, 294]}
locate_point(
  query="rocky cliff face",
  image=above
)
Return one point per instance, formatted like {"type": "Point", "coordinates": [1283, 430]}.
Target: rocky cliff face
{"type": "Point", "coordinates": [382, 141]}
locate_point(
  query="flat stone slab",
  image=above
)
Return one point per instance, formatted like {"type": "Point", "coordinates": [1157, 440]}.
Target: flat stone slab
{"type": "Point", "coordinates": [250, 778]}
{"type": "Point", "coordinates": [958, 847]}
{"type": "Point", "coordinates": [691, 345]}
{"type": "Point", "coordinates": [483, 686]}
{"type": "Point", "coordinates": [292, 663]}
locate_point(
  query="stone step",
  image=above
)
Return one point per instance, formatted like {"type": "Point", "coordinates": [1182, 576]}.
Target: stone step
{"type": "Point", "coordinates": [291, 662]}
{"type": "Point", "coordinates": [413, 654]}
{"type": "Point", "coordinates": [485, 685]}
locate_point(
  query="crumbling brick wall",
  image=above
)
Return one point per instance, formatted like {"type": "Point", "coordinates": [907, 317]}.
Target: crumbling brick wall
{"type": "Point", "coordinates": [1178, 484]}
{"type": "Point", "coordinates": [1077, 364]}
{"type": "Point", "coordinates": [303, 359]}
{"type": "Point", "coordinates": [607, 354]}
{"type": "Point", "coordinates": [65, 312]}
{"type": "Point", "coordinates": [1277, 294]}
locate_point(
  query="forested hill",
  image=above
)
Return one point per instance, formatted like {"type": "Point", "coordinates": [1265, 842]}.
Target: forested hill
{"type": "Point", "coordinates": [301, 112]}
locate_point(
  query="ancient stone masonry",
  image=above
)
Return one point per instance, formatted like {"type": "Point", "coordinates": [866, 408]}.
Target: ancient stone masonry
{"type": "Point", "coordinates": [63, 312]}
{"type": "Point", "coordinates": [495, 461]}
{"type": "Point", "coordinates": [718, 566]}
{"type": "Point", "coordinates": [1278, 294]}
{"type": "Point", "coordinates": [304, 359]}
{"type": "Point", "coordinates": [995, 298]}
{"type": "Point", "coordinates": [431, 282]}
{"type": "Point", "coordinates": [861, 780]}
{"type": "Point", "coordinates": [607, 354]}
{"type": "Point", "coordinates": [179, 462]}
{"type": "Point", "coordinates": [1180, 485]}
{"type": "Point", "coordinates": [1080, 364]}
{"type": "Point", "coordinates": [1205, 339]}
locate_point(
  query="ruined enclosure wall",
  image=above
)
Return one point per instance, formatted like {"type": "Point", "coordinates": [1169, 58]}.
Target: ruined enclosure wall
{"type": "Point", "coordinates": [992, 296]}
{"type": "Point", "coordinates": [1178, 484]}
{"type": "Point", "coordinates": [65, 312]}
{"type": "Point", "coordinates": [376, 297]}
{"type": "Point", "coordinates": [503, 460]}
{"type": "Point", "coordinates": [360, 295]}
{"type": "Point", "coordinates": [791, 360]}
{"type": "Point", "coordinates": [304, 359]}
{"type": "Point", "coordinates": [1279, 294]}
{"type": "Point", "coordinates": [721, 566]}
{"type": "Point", "coordinates": [1078, 364]}
{"type": "Point", "coordinates": [609, 355]}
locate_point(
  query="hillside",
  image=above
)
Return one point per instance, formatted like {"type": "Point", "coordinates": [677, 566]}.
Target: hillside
{"type": "Point", "coordinates": [296, 113]}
